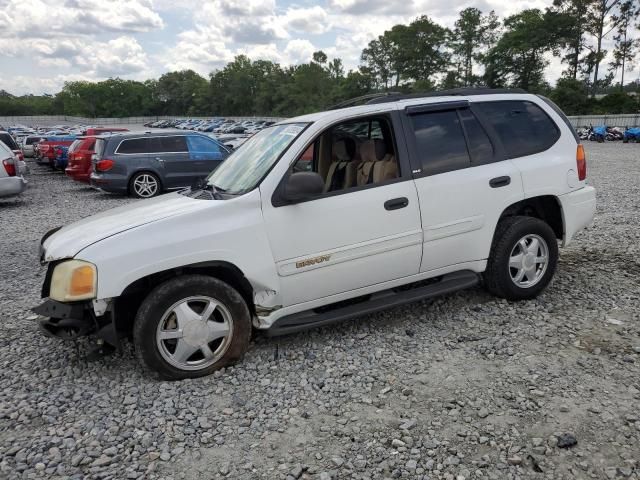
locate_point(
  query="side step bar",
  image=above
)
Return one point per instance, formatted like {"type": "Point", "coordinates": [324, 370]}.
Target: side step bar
{"type": "Point", "coordinates": [298, 322]}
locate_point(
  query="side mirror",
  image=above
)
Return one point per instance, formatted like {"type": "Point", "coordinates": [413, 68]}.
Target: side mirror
{"type": "Point", "coordinates": [302, 186]}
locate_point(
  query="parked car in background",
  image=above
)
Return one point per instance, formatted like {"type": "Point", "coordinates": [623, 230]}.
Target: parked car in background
{"type": "Point", "coordinates": [28, 144]}
{"type": "Point", "coordinates": [9, 141]}
{"type": "Point", "coordinates": [79, 158]}
{"type": "Point", "coordinates": [45, 149]}
{"type": "Point", "coordinates": [145, 165]}
{"type": "Point", "coordinates": [12, 182]}
{"type": "Point", "coordinates": [61, 152]}
{"type": "Point", "coordinates": [102, 130]}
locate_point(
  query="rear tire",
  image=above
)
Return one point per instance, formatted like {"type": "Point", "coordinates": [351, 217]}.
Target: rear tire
{"type": "Point", "coordinates": [191, 326]}
{"type": "Point", "coordinates": [523, 258]}
{"type": "Point", "coordinates": [145, 185]}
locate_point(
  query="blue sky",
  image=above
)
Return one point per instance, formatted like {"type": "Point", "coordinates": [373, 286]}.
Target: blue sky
{"type": "Point", "coordinates": [44, 43]}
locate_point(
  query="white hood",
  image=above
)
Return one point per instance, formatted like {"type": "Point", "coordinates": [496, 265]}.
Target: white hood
{"type": "Point", "coordinates": [71, 239]}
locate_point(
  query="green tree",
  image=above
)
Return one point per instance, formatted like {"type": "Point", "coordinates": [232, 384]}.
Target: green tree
{"type": "Point", "coordinates": [567, 20]}
{"type": "Point", "coordinates": [601, 21]}
{"type": "Point", "coordinates": [625, 49]}
{"type": "Point", "coordinates": [182, 92]}
{"type": "Point", "coordinates": [472, 35]}
{"type": "Point", "coordinates": [518, 59]}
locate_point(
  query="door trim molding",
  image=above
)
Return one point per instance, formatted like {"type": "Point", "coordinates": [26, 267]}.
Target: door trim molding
{"type": "Point", "coordinates": [349, 253]}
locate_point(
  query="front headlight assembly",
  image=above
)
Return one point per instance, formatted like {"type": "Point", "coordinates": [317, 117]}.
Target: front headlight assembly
{"type": "Point", "coordinates": [74, 280]}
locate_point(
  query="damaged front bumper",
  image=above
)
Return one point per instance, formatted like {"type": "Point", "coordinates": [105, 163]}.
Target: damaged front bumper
{"type": "Point", "coordinates": [69, 321]}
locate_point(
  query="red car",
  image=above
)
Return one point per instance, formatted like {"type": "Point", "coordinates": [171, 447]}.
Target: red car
{"type": "Point", "coordinates": [79, 163]}
{"type": "Point", "coordinates": [45, 150]}
{"type": "Point", "coordinates": [101, 130]}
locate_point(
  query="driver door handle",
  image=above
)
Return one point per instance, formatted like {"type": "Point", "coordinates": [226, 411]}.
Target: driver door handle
{"type": "Point", "coordinates": [500, 182]}
{"type": "Point", "coordinates": [396, 203]}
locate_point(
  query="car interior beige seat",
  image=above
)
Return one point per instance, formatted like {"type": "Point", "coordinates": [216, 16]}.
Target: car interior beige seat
{"type": "Point", "coordinates": [343, 168]}
{"type": "Point", "coordinates": [377, 163]}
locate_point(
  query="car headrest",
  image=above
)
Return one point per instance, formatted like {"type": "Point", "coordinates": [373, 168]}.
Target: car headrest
{"type": "Point", "coordinates": [344, 149]}
{"type": "Point", "coordinates": [373, 150]}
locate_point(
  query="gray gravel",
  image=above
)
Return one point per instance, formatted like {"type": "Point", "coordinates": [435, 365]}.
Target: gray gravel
{"type": "Point", "coordinates": [463, 387]}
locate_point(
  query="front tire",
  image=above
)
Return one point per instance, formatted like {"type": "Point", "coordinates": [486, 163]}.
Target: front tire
{"type": "Point", "coordinates": [191, 326]}
{"type": "Point", "coordinates": [523, 258]}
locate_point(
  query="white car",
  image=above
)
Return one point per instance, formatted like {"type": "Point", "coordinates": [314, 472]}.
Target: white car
{"type": "Point", "coordinates": [28, 144]}
{"type": "Point", "coordinates": [12, 181]}
{"type": "Point", "coordinates": [325, 217]}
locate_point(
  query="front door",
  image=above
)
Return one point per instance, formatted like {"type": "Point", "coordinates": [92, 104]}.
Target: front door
{"type": "Point", "coordinates": [364, 230]}
{"type": "Point", "coordinates": [464, 182]}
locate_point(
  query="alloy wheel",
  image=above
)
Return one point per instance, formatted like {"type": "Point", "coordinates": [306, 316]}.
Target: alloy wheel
{"type": "Point", "coordinates": [194, 333]}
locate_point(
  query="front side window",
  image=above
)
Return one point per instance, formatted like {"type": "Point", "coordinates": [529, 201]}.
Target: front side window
{"type": "Point", "coordinates": [352, 154]}
{"type": "Point", "coordinates": [202, 145]}
{"type": "Point", "coordinates": [133, 146]}
{"type": "Point", "coordinates": [439, 141]}
{"type": "Point", "coordinates": [523, 127]}
{"type": "Point", "coordinates": [245, 168]}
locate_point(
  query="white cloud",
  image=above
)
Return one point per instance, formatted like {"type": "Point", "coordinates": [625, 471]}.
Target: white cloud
{"type": "Point", "coordinates": [55, 40]}
{"type": "Point", "coordinates": [299, 51]}
{"type": "Point", "coordinates": [314, 20]}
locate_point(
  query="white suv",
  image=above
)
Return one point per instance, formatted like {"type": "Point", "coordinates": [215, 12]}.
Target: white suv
{"type": "Point", "coordinates": [325, 217]}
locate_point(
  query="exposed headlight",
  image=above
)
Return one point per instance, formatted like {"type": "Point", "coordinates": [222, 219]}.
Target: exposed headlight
{"type": "Point", "coordinates": [73, 280]}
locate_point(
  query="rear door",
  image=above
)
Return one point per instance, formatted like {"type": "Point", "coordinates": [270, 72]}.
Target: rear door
{"type": "Point", "coordinates": [464, 182]}
{"type": "Point", "coordinates": [205, 153]}
{"type": "Point", "coordinates": [172, 156]}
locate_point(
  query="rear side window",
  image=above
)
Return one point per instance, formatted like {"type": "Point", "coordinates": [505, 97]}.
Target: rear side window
{"type": "Point", "coordinates": [480, 146]}
{"type": "Point", "coordinates": [523, 127]}
{"type": "Point", "coordinates": [202, 145]}
{"type": "Point", "coordinates": [74, 146]}
{"type": "Point", "coordinates": [440, 143]}
{"type": "Point", "coordinates": [135, 145]}
{"type": "Point", "coordinates": [8, 140]}
{"type": "Point", "coordinates": [169, 144]}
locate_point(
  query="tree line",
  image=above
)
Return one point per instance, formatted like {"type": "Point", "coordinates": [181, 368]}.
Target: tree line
{"type": "Point", "coordinates": [480, 50]}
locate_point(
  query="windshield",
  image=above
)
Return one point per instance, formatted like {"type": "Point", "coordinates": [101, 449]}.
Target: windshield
{"type": "Point", "coordinates": [245, 167]}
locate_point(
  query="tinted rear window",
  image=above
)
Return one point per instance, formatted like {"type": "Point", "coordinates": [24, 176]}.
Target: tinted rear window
{"type": "Point", "coordinates": [480, 146]}
{"type": "Point", "coordinates": [8, 140]}
{"type": "Point", "coordinates": [440, 143]}
{"type": "Point", "coordinates": [175, 144]}
{"type": "Point", "coordinates": [523, 127]}
{"type": "Point", "coordinates": [32, 140]}
{"type": "Point", "coordinates": [135, 145]}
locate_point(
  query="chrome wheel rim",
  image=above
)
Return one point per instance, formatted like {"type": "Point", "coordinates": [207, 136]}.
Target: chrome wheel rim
{"type": "Point", "coordinates": [145, 185]}
{"type": "Point", "coordinates": [528, 261]}
{"type": "Point", "coordinates": [194, 333]}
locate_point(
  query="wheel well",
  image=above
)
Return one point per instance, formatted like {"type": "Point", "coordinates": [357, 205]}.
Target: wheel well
{"type": "Point", "coordinates": [127, 304]}
{"type": "Point", "coordinates": [546, 208]}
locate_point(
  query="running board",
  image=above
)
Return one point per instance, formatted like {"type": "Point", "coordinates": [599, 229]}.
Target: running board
{"type": "Point", "coordinates": [298, 322]}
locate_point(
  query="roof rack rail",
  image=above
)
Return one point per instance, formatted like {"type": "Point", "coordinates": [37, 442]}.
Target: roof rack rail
{"type": "Point", "coordinates": [385, 97]}
{"type": "Point", "coordinates": [364, 99]}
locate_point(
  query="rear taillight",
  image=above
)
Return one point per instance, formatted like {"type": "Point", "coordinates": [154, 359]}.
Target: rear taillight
{"type": "Point", "coordinates": [19, 154]}
{"type": "Point", "coordinates": [44, 148]}
{"type": "Point", "coordinates": [581, 162]}
{"type": "Point", "coordinates": [10, 167]}
{"type": "Point", "coordinates": [104, 165]}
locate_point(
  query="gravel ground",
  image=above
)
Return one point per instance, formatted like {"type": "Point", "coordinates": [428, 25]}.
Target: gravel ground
{"type": "Point", "coordinates": [463, 387]}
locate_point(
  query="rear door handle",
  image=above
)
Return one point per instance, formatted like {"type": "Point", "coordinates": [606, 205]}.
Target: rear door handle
{"type": "Point", "coordinates": [500, 182]}
{"type": "Point", "coordinates": [396, 203]}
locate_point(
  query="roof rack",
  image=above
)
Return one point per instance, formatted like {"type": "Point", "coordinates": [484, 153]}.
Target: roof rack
{"type": "Point", "coordinates": [385, 97]}
{"type": "Point", "coordinates": [364, 100]}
